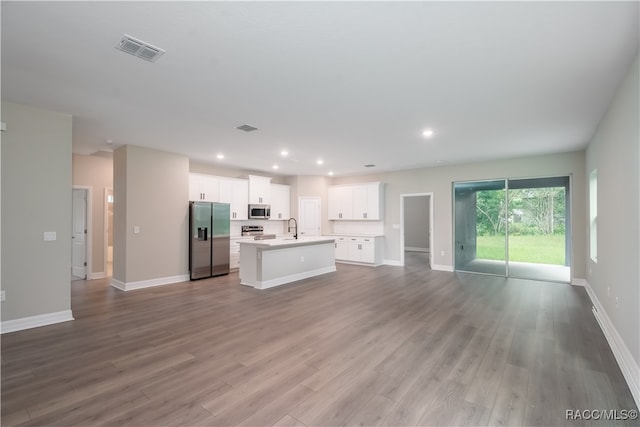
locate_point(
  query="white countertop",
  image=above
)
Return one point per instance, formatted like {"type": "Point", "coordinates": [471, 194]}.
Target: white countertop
{"type": "Point", "coordinates": [288, 241]}
{"type": "Point", "coordinates": [357, 235]}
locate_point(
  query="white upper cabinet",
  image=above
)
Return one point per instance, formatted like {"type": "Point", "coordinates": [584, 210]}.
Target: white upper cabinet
{"type": "Point", "coordinates": [203, 188]}
{"type": "Point", "coordinates": [280, 196]}
{"type": "Point", "coordinates": [356, 202]}
{"type": "Point", "coordinates": [259, 189]}
{"type": "Point", "coordinates": [236, 193]}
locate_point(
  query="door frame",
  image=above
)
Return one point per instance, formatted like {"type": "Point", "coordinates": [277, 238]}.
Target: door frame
{"type": "Point", "coordinates": [402, 200]}
{"type": "Point", "coordinates": [89, 225]}
{"type": "Point", "coordinates": [106, 227]}
{"type": "Point", "coordinates": [317, 199]}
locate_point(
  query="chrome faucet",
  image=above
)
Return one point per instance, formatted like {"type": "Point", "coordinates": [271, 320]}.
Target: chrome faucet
{"type": "Point", "coordinates": [295, 235]}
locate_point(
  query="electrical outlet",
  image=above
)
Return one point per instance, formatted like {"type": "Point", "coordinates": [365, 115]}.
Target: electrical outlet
{"type": "Point", "coordinates": [302, 259]}
{"type": "Point", "coordinates": [441, 253]}
{"type": "Point", "coordinates": [617, 301]}
{"type": "Point", "coordinates": [2, 296]}
{"type": "Point", "coordinates": [608, 291]}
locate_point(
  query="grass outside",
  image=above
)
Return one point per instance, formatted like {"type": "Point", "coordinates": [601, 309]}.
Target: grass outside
{"type": "Point", "coordinates": [544, 249]}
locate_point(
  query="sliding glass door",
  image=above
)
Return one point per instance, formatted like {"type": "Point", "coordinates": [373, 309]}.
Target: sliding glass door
{"type": "Point", "coordinates": [480, 227]}
{"type": "Point", "coordinates": [516, 227]}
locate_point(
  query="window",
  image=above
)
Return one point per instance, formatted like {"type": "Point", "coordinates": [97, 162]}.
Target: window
{"type": "Point", "coordinates": [593, 215]}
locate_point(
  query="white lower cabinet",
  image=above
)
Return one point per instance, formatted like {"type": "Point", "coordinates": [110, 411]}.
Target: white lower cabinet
{"type": "Point", "coordinates": [234, 251]}
{"type": "Point", "coordinates": [360, 249]}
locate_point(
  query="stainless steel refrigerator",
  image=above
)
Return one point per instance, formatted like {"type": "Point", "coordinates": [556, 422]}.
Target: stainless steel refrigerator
{"type": "Point", "coordinates": [209, 230]}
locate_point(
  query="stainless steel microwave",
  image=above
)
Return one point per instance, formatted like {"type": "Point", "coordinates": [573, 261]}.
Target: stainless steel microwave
{"type": "Point", "coordinates": [259, 211]}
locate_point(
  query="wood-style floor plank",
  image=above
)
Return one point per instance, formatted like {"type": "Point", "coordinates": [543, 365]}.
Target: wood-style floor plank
{"type": "Point", "coordinates": [363, 346]}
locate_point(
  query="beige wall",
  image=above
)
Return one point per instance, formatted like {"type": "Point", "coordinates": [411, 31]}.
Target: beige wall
{"type": "Point", "coordinates": [416, 222]}
{"type": "Point", "coordinates": [439, 181]}
{"type": "Point", "coordinates": [97, 173]}
{"type": "Point", "coordinates": [151, 191]}
{"type": "Point", "coordinates": [36, 197]}
{"type": "Point", "coordinates": [614, 152]}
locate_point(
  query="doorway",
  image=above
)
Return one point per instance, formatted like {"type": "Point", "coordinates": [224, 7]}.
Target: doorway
{"type": "Point", "coordinates": [79, 233]}
{"type": "Point", "coordinates": [416, 229]}
{"type": "Point", "coordinates": [309, 221]}
{"type": "Point", "coordinates": [514, 227]}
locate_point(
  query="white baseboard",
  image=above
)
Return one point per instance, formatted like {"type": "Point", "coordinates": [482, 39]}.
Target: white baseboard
{"type": "Point", "coordinates": [98, 275]}
{"type": "Point", "coordinates": [35, 321]}
{"type": "Point", "coordinates": [414, 249]}
{"type": "Point", "coordinates": [293, 277]}
{"type": "Point", "coordinates": [442, 267]}
{"type": "Point", "coordinates": [130, 286]}
{"type": "Point", "coordinates": [393, 262]}
{"type": "Point", "coordinates": [579, 282]}
{"type": "Point", "coordinates": [626, 362]}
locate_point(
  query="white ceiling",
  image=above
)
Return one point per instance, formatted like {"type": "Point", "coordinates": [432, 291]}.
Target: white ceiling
{"type": "Point", "coordinates": [350, 82]}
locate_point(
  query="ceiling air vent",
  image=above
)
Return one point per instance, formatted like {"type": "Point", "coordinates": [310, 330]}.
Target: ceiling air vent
{"type": "Point", "coordinates": [139, 48]}
{"type": "Point", "coordinates": [370, 166]}
{"type": "Point", "coordinates": [246, 128]}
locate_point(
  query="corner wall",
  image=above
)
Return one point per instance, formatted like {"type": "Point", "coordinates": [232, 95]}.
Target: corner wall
{"type": "Point", "coordinates": [151, 192]}
{"type": "Point", "coordinates": [614, 152]}
{"type": "Point", "coordinates": [36, 198]}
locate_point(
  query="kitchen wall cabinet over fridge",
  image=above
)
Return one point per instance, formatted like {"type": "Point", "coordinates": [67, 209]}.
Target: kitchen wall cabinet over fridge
{"type": "Point", "coordinates": [203, 188]}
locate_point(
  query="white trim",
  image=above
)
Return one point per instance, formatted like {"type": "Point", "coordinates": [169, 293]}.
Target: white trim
{"type": "Point", "coordinates": [89, 225]}
{"type": "Point", "coordinates": [105, 220]}
{"type": "Point", "coordinates": [579, 282]}
{"type": "Point", "coordinates": [393, 262]}
{"type": "Point", "coordinates": [367, 264]}
{"type": "Point", "coordinates": [98, 275]}
{"type": "Point", "coordinates": [402, 248]}
{"type": "Point", "coordinates": [35, 321]}
{"type": "Point", "coordinates": [293, 277]}
{"type": "Point", "coordinates": [626, 362]}
{"type": "Point", "coordinates": [130, 286]}
{"type": "Point", "coordinates": [414, 249]}
{"type": "Point", "coordinates": [442, 267]}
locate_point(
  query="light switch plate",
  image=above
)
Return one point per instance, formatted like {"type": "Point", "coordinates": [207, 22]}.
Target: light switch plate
{"type": "Point", "coordinates": [136, 229]}
{"type": "Point", "coordinates": [50, 236]}
{"type": "Point", "coordinates": [2, 296]}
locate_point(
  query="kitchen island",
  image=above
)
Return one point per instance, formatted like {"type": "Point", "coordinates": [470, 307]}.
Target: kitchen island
{"type": "Point", "coordinates": [268, 263]}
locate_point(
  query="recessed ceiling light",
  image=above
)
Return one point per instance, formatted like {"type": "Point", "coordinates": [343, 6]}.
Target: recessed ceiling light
{"type": "Point", "coordinates": [330, 173]}
{"type": "Point", "coordinates": [428, 133]}
{"type": "Point", "coordinates": [319, 162]}
{"type": "Point", "coordinates": [275, 166]}
{"type": "Point", "coordinates": [284, 153]}
{"type": "Point", "coordinates": [220, 156]}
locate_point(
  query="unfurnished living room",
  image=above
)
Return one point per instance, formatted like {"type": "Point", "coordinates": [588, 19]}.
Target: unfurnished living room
{"type": "Point", "coordinates": [421, 213]}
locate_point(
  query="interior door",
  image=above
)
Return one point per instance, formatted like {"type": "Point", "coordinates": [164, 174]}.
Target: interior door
{"type": "Point", "coordinates": [309, 216]}
{"type": "Point", "coordinates": [79, 234]}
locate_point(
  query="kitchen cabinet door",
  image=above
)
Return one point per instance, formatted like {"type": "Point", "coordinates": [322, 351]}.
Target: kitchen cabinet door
{"type": "Point", "coordinates": [340, 204]}
{"type": "Point", "coordinates": [342, 248]}
{"type": "Point", "coordinates": [203, 188]}
{"type": "Point", "coordinates": [280, 202]}
{"type": "Point", "coordinates": [236, 193]}
{"type": "Point", "coordinates": [259, 189]}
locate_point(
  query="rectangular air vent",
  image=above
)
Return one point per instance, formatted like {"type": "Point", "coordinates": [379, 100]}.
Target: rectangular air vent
{"type": "Point", "coordinates": [139, 48]}
{"type": "Point", "coordinates": [246, 128]}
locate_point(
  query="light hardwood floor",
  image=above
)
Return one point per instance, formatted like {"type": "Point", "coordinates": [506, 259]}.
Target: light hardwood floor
{"type": "Point", "coordinates": [395, 346]}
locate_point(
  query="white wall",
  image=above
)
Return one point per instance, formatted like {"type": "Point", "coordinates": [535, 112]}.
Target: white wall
{"type": "Point", "coordinates": [614, 152]}
{"type": "Point", "coordinates": [36, 197]}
